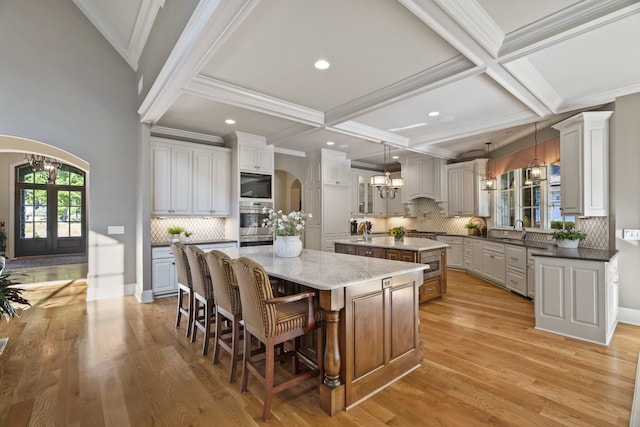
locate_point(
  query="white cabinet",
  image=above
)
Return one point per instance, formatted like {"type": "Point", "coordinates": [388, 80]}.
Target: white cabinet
{"type": "Point", "coordinates": [395, 207]}
{"type": "Point", "coordinates": [455, 255]}
{"type": "Point", "coordinates": [211, 182]}
{"type": "Point", "coordinates": [255, 158]}
{"type": "Point", "coordinates": [163, 272]}
{"type": "Point", "coordinates": [422, 177]}
{"type": "Point", "coordinates": [473, 255]}
{"type": "Point", "coordinates": [464, 196]}
{"type": "Point", "coordinates": [577, 298]}
{"type": "Point", "coordinates": [584, 164]}
{"type": "Point", "coordinates": [531, 274]}
{"type": "Point", "coordinates": [516, 272]}
{"type": "Point", "coordinates": [170, 178]}
{"type": "Point", "coordinates": [493, 262]}
{"type": "Point", "coordinates": [336, 168]}
{"type": "Point", "coordinates": [362, 192]}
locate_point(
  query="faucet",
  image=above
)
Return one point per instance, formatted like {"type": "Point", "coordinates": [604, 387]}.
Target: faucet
{"type": "Point", "coordinates": [365, 231]}
{"type": "Point", "coordinates": [524, 232]}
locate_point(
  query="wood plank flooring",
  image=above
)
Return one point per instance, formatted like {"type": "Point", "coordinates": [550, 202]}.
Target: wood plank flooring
{"type": "Point", "coordinates": [119, 363]}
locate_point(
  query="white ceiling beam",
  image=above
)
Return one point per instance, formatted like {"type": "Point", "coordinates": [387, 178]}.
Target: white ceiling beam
{"type": "Point", "coordinates": [144, 22]}
{"type": "Point", "coordinates": [369, 133]}
{"type": "Point", "coordinates": [185, 134]}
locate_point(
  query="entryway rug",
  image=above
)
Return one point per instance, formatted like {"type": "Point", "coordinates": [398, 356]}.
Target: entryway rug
{"type": "Point", "coordinates": [44, 261]}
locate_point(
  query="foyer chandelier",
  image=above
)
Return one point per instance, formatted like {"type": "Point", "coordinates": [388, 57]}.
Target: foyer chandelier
{"type": "Point", "coordinates": [536, 169]}
{"type": "Point", "coordinates": [387, 186]}
{"type": "Point", "coordinates": [46, 165]}
{"type": "Point", "coordinates": [488, 183]}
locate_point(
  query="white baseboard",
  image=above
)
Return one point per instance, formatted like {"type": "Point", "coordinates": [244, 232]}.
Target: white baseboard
{"type": "Point", "coordinates": [629, 315]}
{"type": "Point", "coordinates": [106, 292]}
{"type": "Point", "coordinates": [144, 296]}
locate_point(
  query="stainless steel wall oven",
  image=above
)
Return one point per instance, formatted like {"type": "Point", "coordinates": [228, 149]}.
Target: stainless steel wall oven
{"type": "Point", "coordinates": [252, 233]}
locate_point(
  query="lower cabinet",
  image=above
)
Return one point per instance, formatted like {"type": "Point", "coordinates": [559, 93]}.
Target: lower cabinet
{"type": "Point", "coordinates": [516, 273]}
{"type": "Point", "coordinates": [577, 298]}
{"type": "Point", "coordinates": [455, 254]}
{"type": "Point", "coordinates": [493, 262]}
{"type": "Point", "coordinates": [164, 277]}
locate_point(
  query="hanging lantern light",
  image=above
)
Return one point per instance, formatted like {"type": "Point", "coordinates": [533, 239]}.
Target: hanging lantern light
{"type": "Point", "coordinates": [536, 169]}
{"type": "Point", "coordinates": [488, 183]}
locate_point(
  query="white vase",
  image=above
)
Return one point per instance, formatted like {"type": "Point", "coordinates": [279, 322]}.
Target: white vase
{"type": "Point", "coordinates": [175, 238]}
{"type": "Point", "coordinates": [287, 246]}
{"type": "Point", "coordinates": [187, 239]}
{"type": "Point", "coordinates": [567, 244]}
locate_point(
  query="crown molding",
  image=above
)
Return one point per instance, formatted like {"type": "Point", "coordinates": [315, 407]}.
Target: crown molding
{"type": "Point", "coordinates": [455, 69]}
{"type": "Point", "coordinates": [370, 133]}
{"type": "Point", "coordinates": [597, 99]}
{"type": "Point", "coordinates": [476, 22]}
{"type": "Point", "coordinates": [209, 26]}
{"type": "Point", "coordinates": [185, 134]}
{"type": "Point", "coordinates": [297, 130]}
{"type": "Point", "coordinates": [144, 22]}
{"type": "Point", "coordinates": [219, 91]}
{"type": "Point", "coordinates": [568, 23]}
{"type": "Point", "coordinates": [290, 152]}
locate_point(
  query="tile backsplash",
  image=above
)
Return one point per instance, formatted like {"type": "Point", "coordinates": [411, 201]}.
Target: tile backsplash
{"type": "Point", "coordinates": [430, 217]}
{"type": "Point", "coordinates": [204, 229]}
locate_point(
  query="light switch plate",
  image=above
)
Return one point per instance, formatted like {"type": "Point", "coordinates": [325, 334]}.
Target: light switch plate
{"type": "Point", "coordinates": [631, 234]}
{"type": "Point", "coordinates": [115, 229]}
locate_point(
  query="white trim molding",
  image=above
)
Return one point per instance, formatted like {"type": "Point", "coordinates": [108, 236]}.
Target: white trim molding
{"type": "Point", "coordinates": [629, 315]}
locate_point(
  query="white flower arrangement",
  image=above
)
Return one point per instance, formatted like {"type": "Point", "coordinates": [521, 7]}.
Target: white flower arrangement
{"type": "Point", "coordinates": [291, 224]}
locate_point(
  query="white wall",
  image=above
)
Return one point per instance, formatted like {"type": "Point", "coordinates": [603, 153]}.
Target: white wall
{"type": "Point", "coordinates": [62, 84]}
{"type": "Point", "coordinates": [625, 196]}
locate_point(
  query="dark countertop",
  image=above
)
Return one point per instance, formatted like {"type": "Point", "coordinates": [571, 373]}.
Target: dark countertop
{"type": "Point", "coordinates": [203, 242]}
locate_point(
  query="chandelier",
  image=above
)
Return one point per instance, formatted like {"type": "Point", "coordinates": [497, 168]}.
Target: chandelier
{"type": "Point", "coordinates": [536, 169]}
{"type": "Point", "coordinates": [488, 183]}
{"type": "Point", "coordinates": [387, 186]}
{"type": "Point", "coordinates": [46, 165]}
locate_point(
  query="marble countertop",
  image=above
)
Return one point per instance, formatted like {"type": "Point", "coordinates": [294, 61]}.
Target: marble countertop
{"type": "Point", "coordinates": [408, 243]}
{"type": "Point", "coordinates": [324, 270]}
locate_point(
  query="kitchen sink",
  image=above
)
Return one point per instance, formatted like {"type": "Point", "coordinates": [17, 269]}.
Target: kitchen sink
{"type": "Point", "coordinates": [519, 242]}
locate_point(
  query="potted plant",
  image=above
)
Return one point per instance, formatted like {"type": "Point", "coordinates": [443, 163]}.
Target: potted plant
{"type": "Point", "coordinates": [175, 233]}
{"type": "Point", "coordinates": [287, 229]}
{"type": "Point", "coordinates": [187, 236]}
{"type": "Point", "coordinates": [398, 233]}
{"type": "Point", "coordinates": [472, 228]}
{"type": "Point", "coordinates": [9, 293]}
{"type": "Point", "coordinates": [568, 238]}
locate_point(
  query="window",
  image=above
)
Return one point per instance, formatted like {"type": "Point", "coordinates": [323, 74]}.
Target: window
{"type": "Point", "coordinates": [537, 205]}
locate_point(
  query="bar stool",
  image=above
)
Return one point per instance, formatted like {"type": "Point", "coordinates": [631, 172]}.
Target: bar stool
{"type": "Point", "coordinates": [228, 308]}
{"type": "Point", "coordinates": [273, 321]}
{"type": "Point", "coordinates": [185, 285]}
{"type": "Point", "coordinates": [202, 296]}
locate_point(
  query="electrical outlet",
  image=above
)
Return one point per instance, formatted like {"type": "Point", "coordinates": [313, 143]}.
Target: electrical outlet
{"type": "Point", "coordinates": [631, 234]}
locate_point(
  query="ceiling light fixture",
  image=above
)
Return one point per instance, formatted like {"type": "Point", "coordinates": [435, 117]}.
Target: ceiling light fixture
{"type": "Point", "coordinates": [45, 165]}
{"type": "Point", "coordinates": [536, 170]}
{"type": "Point", "coordinates": [230, 122]}
{"type": "Point", "coordinates": [330, 142]}
{"type": "Point", "coordinates": [387, 186]}
{"type": "Point", "coordinates": [434, 114]}
{"type": "Point", "coordinates": [488, 183]}
{"type": "Point", "coordinates": [322, 64]}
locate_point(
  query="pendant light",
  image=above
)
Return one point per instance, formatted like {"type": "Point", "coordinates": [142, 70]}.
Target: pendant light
{"type": "Point", "coordinates": [536, 169]}
{"type": "Point", "coordinates": [387, 186]}
{"type": "Point", "coordinates": [45, 165]}
{"type": "Point", "coordinates": [488, 183]}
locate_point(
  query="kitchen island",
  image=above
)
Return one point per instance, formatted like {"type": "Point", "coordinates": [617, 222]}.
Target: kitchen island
{"type": "Point", "coordinates": [419, 250]}
{"type": "Point", "coordinates": [371, 314]}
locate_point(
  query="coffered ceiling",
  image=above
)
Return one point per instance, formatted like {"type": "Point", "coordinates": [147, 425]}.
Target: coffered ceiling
{"type": "Point", "coordinates": [491, 68]}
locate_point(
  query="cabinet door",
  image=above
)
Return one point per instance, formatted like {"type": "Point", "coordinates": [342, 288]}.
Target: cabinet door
{"type": "Point", "coordinates": [221, 185]}
{"type": "Point", "coordinates": [335, 207]}
{"type": "Point", "coordinates": [476, 257]}
{"type": "Point", "coordinates": [517, 282]}
{"type": "Point", "coordinates": [401, 255]}
{"type": "Point", "coordinates": [264, 160]}
{"type": "Point", "coordinates": [455, 256]}
{"type": "Point", "coordinates": [248, 157]}
{"type": "Point", "coordinates": [202, 183]}
{"type": "Point", "coordinates": [454, 179]}
{"type": "Point", "coordinates": [161, 179]}
{"type": "Point", "coordinates": [571, 155]}
{"type": "Point", "coordinates": [466, 193]}
{"type": "Point", "coordinates": [335, 170]}
{"type": "Point", "coordinates": [379, 204]}
{"type": "Point", "coordinates": [164, 280]}
{"type": "Point", "coordinates": [181, 176]}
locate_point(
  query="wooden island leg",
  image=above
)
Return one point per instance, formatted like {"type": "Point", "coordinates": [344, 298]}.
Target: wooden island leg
{"type": "Point", "coordinates": [332, 392]}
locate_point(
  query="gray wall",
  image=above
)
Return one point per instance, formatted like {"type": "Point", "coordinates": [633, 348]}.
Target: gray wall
{"type": "Point", "coordinates": [62, 84]}
{"type": "Point", "coordinates": [624, 195]}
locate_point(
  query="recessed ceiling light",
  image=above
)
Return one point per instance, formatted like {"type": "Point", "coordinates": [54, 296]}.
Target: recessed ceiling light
{"type": "Point", "coordinates": [330, 142]}
{"type": "Point", "coordinates": [416, 125]}
{"type": "Point", "coordinates": [395, 157]}
{"type": "Point", "coordinates": [445, 119]}
{"type": "Point", "coordinates": [434, 114]}
{"type": "Point", "coordinates": [230, 122]}
{"type": "Point", "coordinates": [322, 64]}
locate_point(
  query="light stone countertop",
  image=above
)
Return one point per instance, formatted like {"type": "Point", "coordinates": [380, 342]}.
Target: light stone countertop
{"type": "Point", "coordinates": [408, 243]}
{"type": "Point", "coordinates": [324, 270]}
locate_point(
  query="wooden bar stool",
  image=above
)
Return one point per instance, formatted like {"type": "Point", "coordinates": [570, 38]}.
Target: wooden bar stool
{"type": "Point", "coordinates": [228, 308]}
{"type": "Point", "coordinates": [273, 321]}
{"type": "Point", "coordinates": [185, 285]}
{"type": "Point", "coordinates": [202, 296]}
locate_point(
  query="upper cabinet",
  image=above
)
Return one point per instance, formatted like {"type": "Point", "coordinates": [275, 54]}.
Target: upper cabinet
{"type": "Point", "coordinates": [464, 196]}
{"type": "Point", "coordinates": [255, 158]}
{"type": "Point", "coordinates": [171, 169]}
{"type": "Point", "coordinates": [584, 164]}
{"type": "Point", "coordinates": [422, 176]}
{"type": "Point", "coordinates": [336, 168]}
{"type": "Point", "coordinates": [189, 179]}
{"type": "Point", "coordinates": [362, 192]}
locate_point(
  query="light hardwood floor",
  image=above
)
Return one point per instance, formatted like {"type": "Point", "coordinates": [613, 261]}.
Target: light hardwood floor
{"type": "Point", "coordinates": [119, 363]}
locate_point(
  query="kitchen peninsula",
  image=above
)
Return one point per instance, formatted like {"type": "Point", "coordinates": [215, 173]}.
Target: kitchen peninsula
{"type": "Point", "coordinates": [371, 314]}
{"type": "Point", "coordinates": [419, 250]}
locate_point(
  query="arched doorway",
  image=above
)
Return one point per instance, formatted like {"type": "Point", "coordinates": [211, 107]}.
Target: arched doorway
{"type": "Point", "coordinates": [50, 211]}
{"type": "Point", "coordinates": [288, 192]}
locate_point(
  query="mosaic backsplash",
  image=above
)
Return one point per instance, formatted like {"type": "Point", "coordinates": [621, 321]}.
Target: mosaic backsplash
{"type": "Point", "coordinates": [203, 229]}
{"type": "Point", "coordinates": [430, 217]}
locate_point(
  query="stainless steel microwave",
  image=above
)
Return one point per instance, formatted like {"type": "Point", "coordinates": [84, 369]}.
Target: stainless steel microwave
{"type": "Point", "coordinates": [255, 186]}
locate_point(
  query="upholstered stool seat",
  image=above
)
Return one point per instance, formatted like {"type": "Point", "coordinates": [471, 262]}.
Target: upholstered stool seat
{"type": "Point", "coordinates": [203, 302]}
